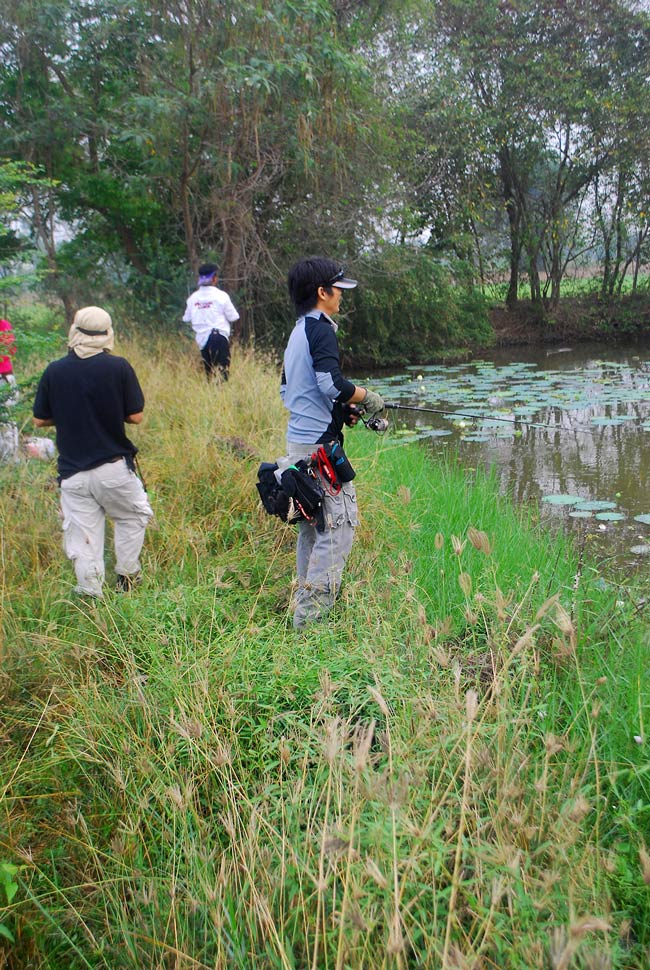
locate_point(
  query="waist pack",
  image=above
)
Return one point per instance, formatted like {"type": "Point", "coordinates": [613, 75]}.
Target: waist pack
{"type": "Point", "coordinates": [333, 465]}
{"type": "Point", "coordinates": [293, 495]}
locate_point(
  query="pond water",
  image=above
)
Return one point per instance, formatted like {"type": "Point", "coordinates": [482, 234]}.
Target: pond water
{"type": "Point", "coordinates": [565, 428]}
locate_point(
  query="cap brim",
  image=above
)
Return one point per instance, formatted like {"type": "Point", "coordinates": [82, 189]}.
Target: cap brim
{"type": "Point", "coordinates": [345, 284]}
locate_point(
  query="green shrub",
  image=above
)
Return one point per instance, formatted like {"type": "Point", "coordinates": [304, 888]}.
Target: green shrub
{"type": "Point", "coordinates": [40, 332]}
{"type": "Point", "coordinates": [411, 304]}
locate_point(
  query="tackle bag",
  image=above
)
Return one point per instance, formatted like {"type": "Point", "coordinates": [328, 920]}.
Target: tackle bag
{"type": "Point", "coordinates": [305, 492]}
{"type": "Point", "coordinates": [293, 495]}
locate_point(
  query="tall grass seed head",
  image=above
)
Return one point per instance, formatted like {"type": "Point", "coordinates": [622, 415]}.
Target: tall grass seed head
{"type": "Point", "coordinates": [471, 705]}
{"type": "Point", "coordinates": [644, 859]}
{"type": "Point", "coordinates": [457, 545]}
{"type": "Point", "coordinates": [479, 540]}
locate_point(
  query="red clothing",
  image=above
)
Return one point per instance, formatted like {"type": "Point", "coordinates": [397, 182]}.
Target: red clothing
{"type": "Point", "coordinates": [7, 343]}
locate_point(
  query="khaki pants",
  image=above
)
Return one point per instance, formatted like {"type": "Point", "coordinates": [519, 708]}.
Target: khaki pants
{"type": "Point", "coordinates": [86, 499]}
{"type": "Point", "coordinates": [321, 556]}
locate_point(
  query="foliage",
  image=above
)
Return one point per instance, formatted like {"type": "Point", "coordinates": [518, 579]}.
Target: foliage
{"type": "Point", "coordinates": [9, 887]}
{"type": "Point", "coordinates": [511, 139]}
{"type": "Point", "coordinates": [38, 334]}
{"type": "Point", "coordinates": [441, 774]}
{"type": "Point", "coordinates": [17, 178]}
{"type": "Point", "coordinates": [167, 148]}
{"type": "Point", "coordinates": [535, 98]}
{"type": "Point", "coordinates": [411, 303]}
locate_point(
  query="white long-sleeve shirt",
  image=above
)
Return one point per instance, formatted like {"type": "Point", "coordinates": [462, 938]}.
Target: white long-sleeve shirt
{"type": "Point", "coordinates": [208, 309]}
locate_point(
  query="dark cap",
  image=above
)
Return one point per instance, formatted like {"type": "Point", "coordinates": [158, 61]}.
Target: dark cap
{"type": "Point", "coordinates": [341, 281]}
{"type": "Point", "coordinates": [208, 269]}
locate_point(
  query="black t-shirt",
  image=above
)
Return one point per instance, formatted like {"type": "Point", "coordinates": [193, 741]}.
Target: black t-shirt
{"type": "Point", "coordinates": [88, 400]}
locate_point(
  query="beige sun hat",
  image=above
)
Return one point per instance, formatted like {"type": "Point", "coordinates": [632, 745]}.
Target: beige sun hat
{"type": "Point", "coordinates": [91, 332]}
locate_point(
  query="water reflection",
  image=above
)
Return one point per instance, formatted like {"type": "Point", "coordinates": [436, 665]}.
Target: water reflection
{"type": "Point", "coordinates": [551, 423]}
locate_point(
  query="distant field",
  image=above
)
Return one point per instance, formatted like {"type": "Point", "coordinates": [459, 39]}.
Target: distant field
{"type": "Point", "coordinates": [580, 284]}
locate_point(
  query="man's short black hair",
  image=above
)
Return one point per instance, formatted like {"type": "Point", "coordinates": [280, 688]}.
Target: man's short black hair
{"type": "Point", "coordinates": [304, 279]}
{"type": "Point", "coordinates": [208, 269]}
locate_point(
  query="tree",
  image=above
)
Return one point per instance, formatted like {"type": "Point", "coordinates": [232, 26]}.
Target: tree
{"type": "Point", "coordinates": [17, 183]}
{"type": "Point", "coordinates": [538, 79]}
{"type": "Point", "coordinates": [184, 129]}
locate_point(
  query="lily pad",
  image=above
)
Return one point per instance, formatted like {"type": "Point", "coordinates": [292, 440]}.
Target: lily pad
{"type": "Point", "coordinates": [561, 499]}
{"type": "Point", "coordinates": [596, 506]}
{"type": "Point", "coordinates": [580, 515]}
{"type": "Point", "coordinates": [640, 550]}
{"type": "Point", "coordinates": [645, 518]}
{"type": "Point", "coordinates": [610, 516]}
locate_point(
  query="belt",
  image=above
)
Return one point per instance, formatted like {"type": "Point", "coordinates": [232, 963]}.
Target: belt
{"type": "Point", "coordinates": [109, 461]}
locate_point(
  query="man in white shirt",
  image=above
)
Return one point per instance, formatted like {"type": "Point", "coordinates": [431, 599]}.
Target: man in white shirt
{"type": "Point", "coordinates": [211, 312]}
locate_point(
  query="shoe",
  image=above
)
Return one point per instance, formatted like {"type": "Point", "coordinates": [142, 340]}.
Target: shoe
{"type": "Point", "coordinates": [125, 584]}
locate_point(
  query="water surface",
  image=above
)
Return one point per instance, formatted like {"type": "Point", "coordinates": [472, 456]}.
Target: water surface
{"type": "Point", "coordinates": [566, 429]}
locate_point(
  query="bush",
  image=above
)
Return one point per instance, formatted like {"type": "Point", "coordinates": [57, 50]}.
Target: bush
{"type": "Point", "coordinates": [40, 333]}
{"type": "Point", "coordinates": [411, 304]}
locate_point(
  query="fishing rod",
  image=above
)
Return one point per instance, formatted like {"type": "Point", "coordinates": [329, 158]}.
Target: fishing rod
{"type": "Point", "coordinates": [483, 417]}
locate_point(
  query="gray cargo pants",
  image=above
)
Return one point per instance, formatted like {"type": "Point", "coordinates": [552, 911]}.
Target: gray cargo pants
{"type": "Point", "coordinates": [321, 556]}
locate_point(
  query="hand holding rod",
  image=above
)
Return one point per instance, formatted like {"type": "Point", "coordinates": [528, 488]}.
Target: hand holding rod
{"type": "Point", "coordinates": [374, 423]}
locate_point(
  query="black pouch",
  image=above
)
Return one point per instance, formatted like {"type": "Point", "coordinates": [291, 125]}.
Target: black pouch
{"type": "Point", "coordinates": [298, 496]}
{"type": "Point", "coordinates": [344, 470]}
{"type": "Point", "coordinates": [305, 494]}
{"type": "Point", "coordinates": [274, 499]}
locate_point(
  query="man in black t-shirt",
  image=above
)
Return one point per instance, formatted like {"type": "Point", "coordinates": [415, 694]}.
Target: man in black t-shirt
{"type": "Point", "coordinates": [88, 396]}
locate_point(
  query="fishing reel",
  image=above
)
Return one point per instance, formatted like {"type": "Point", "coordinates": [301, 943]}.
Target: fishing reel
{"type": "Point", "coordinates": [376, 424]}
{"type": "Point", "coordinates": [380, 425]}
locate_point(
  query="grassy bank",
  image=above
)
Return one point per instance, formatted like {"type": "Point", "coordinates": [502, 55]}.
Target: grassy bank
{"type": "Point", "coordinates": [579, 316]}
{"type": "Point", "coordinates": [443, 775]}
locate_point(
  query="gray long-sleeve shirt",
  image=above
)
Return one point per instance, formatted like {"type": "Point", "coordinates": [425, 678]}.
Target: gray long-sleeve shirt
{"type": "Point", "coordinates": [313, 388]}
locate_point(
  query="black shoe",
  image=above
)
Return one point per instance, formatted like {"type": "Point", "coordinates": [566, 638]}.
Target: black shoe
{"type": "Point", "coordinates": [127, 583]}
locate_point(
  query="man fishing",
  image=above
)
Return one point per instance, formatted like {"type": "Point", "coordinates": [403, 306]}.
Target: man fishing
{"type": "Point", "coordinates": [88, 396]}
{"type": "Point", "coordinates": [318, 399]}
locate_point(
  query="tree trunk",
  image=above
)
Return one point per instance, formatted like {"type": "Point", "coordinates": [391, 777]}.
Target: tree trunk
{"type": "Point", "coordinates": [514, 224]}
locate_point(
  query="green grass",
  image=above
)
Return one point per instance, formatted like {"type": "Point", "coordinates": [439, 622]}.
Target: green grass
{"type": "Point", "coordinates": [442, 775]}
{"type": "Point", "coordinates": [570, 287]}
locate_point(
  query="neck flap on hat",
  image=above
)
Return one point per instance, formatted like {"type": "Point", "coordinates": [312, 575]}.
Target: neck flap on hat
{"type": "Point", "coordinates": [91, 332]}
